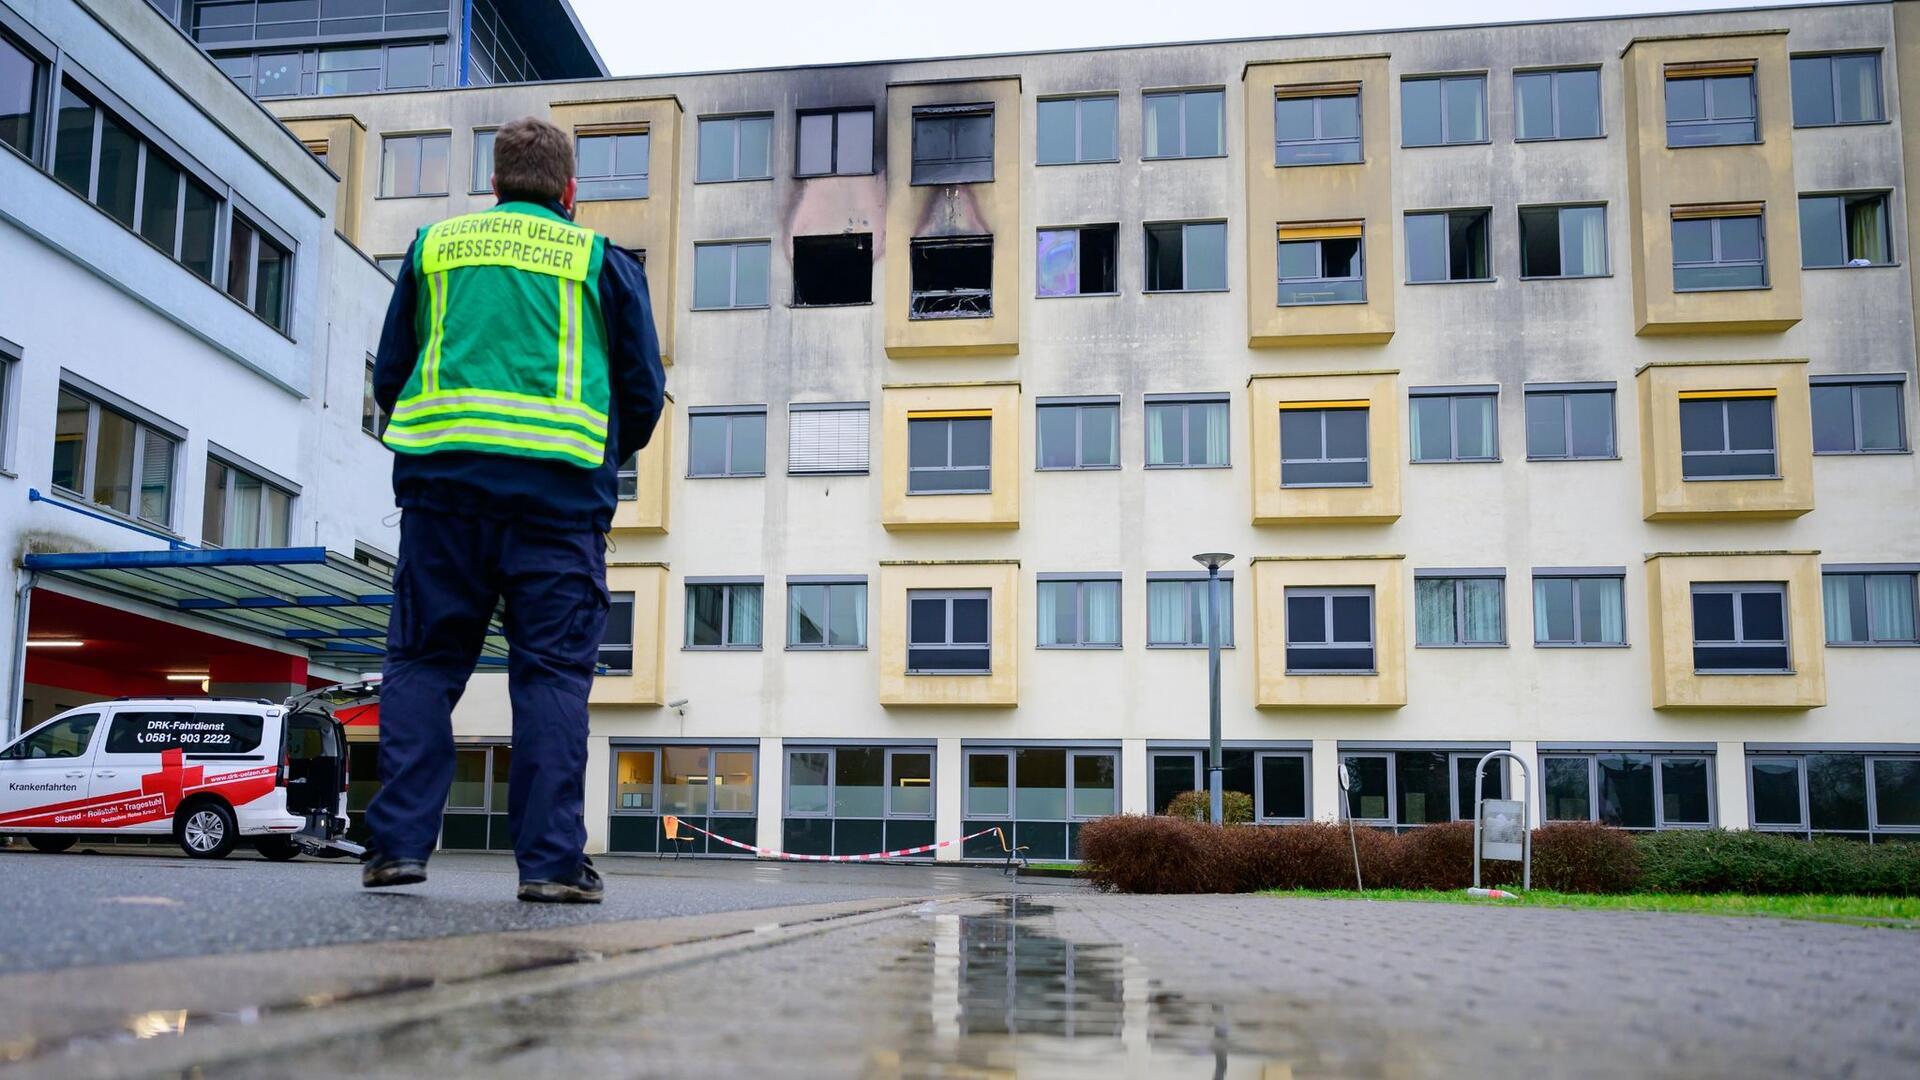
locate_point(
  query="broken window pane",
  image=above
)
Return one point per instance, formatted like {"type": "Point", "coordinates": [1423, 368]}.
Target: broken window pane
{"type": "Point", "coordinates": [952, 278]}
{"type": "Point", "coordinates": [1076, 262]}
{"type": "Point", "coordinates": [832, 270]}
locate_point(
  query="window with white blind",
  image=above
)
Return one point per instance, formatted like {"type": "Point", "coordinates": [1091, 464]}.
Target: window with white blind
{"type": "Point", "coordinates": [827, 438]}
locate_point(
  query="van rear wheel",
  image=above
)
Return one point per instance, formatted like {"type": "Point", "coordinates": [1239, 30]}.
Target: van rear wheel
{"type": "Point", "coordinates": [52, 845]}
{"type": "Point", "coordinates": [206, 830]}
{"type": "Point", "coordinates": [275, 848]}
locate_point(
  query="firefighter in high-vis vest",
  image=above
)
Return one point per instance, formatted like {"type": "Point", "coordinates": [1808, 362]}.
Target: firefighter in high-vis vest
{"type": "Point", "coordinates": [518, 369]}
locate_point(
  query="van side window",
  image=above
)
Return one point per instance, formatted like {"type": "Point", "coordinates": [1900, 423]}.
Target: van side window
{"type": "Point", "coordinates": [65, 738]}
{"type": "Point", "coordinates": [192, 732]}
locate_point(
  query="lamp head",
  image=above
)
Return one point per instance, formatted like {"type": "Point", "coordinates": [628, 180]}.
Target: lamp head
{"type": "Point", "coordinates": [1213, 560]}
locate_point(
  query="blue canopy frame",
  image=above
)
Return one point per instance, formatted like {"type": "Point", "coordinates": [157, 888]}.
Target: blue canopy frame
{"type": "Point", "coordinates": [330, 605]}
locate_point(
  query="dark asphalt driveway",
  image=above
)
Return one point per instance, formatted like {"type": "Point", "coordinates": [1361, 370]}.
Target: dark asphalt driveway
{"type": "Point", "coordinates": [118, 907]}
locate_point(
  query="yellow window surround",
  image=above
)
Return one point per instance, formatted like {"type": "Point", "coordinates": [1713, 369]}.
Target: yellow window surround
{"type": "Point", "coordinates": [1361, 404]}
{"type": "Point", "coordinates": [1718, 210]}
{"type": "Point", "coordinates": [946, 414]}
{"type": "Point", "coordinates": [1339, 89]}
{"type": "Point", "coordinates": [1698, 395]}
{"type": "Point", "coordinates": [1705, 68]}
{"type": "Point", "coordinates": [1320, 230]}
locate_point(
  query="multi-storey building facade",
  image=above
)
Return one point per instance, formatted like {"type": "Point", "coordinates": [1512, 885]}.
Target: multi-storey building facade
{"type": "Point", "coordinates": [183, 343]}
{"type": "Point", "coordinates": [1551, 384]}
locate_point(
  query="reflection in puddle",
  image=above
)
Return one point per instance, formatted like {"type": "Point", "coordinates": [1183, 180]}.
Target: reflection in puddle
{"type": "Point", "coordinates": [1006, 995]}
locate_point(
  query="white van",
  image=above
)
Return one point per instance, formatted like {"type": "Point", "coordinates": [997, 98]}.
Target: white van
{"type": "Point", "coordinates": [208, 771]}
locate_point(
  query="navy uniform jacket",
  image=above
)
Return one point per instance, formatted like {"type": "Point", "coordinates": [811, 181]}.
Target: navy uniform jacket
{"type": "Point", "coordinates": [547, 493]}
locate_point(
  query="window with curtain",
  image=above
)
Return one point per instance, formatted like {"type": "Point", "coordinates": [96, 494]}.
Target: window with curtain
{"type": "Point", "coordinates": [1841, 88]}
{"type": "Point", "coordinates": [1187, 434]}
{"type": "Point", "coordinates": [827, 614]}
{"type": "Point", "coordinates": [1859, 417]}
{"type": "Point", "coordinates": [241, 510]}
{"type": "Point", "coordinates": [1177, 611]}
{"type": "Point", "coordinates": [1563, 241]}
{"type": "Point", "coordinates": [1579, 610]}
{"type": "Point", "coordinates": [1078, 613]}
{"type": "Point", "coordinates": [1459, 610]}
{"type": "Point", "coordinates": [1844, 230]}
{"type": "Point", "coordinates": [1443, 111]}
{"type": "Point", "coordinates": [1454, 426]}
{"type": "Point", "coordinates": [113, 460]}
{"type": "Point", "coordinates": [723, 615]}
{"type": "Point", "coordinates": [1870, 608]}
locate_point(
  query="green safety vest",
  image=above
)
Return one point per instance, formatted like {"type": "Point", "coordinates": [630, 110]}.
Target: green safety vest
{"type": "Point", "coordinates": [513, 347]}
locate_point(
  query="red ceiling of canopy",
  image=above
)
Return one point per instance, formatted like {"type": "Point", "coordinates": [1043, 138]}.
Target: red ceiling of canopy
{"type": "Point", "coordinates": [126, 654]}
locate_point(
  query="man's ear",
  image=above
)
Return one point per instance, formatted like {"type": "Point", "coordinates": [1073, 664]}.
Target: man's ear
{"type": "Point", "coordinates": [568, 197]}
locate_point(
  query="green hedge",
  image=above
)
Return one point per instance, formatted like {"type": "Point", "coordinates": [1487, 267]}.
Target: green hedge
{"type": "Point", "coordinates": [1131, 853]}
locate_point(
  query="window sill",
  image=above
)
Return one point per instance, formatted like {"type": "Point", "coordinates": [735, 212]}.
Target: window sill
{"type": "Point", "coordinates": [1315, 164]}
{"type": "Point", "coordinates": [720, 648]}
{"type": "Point", "coordinates": [1844, 266]}
{"type": "Point", "coordinates": [810, 307]}
{"type": "Point", "coordinates": [1731, 288]}
{"type": "Point", "coordinates": [1609, 457]}
{"type": "Point", "coordinates": [9, 474]}
{"type": "Point", "coordinates": [1462, 645]}
{"type": "Point", "coordinates": [969, 491]}
{"type": "Point", "coordinates": [826, 648]}
{"type": "Point", "coordinates": [1723, 479]}
{"type": "Point", "coordinates": [1320, 303]}
{"type": "Point", "coordinates": [1566, 277]}
{"type": "Point", "coordinates": [1716, 145]}
{"type": "Point", "coordinates": [1172, 468]}
{"type": "Point", "coordinates": [1458, 281]}
{"type": "Point", "coordinates": [1077, 468]}
{"type": "Point", "coordinates": [736, 307]}
{"type": "Point", "coordinates": [1080, 648]}
{"type": "Point", "coordinates": [480, 191]}
{"type": "Point", "coordinates": [937, 674]}
{"type": "Point", "coordinates": [1744, 671]}
{"type": "Point", "coordinates": [1071, 296]}
{"type": "Point", "coordinates": [1170, 646]}
{"type": "Point", "coordinates": [735, 180]}
{"type": "Point", "coordinates": [1581, 645]}
{"type": "Point", "coordinates": [949, 318]}
{"type": "Point", "coordinates": [949, 183]}
{"type": "Point", "coordinates": [1444, 145]}
{"type": "Point", "coordinates": [1315, 487]}
{"type": "Point", "coordinates": [1087, 161]}
{"type": "Point", "coordinates": [1369, 671]}
{"type": "Point", "coordinates": [830, 175]}
{"type": "Point", "coordinates": [724, 476]}
{"type": "Point", "coordinates": [417, 195]}
{"type": "Point", "coordinates": [1179, 292]}
{"type": "Point", "coordinates": [81, 502]}
{"type": "Point", "coordinates": [1563, 138]}
{"type": "Point", "coordinates": [1456, 461]}
{"type": "Point", "coordinates": [1844, 124]}
{"type": "Point", "coordinates": [1182, 157]}
{"type": "Point", "coordinates": [1863, 453]}
{"type": "Point", "coordinates": [1873, 644]}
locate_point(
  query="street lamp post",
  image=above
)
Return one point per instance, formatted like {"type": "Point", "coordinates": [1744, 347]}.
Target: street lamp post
{"type": "Point", "coordinates": [1213, 561]}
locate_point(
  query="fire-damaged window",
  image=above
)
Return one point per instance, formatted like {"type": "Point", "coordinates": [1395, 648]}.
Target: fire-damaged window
{"type": "Point", "coordinates": [953, 277]}
{"type": "Point", "coordinates": [829, 270]}
{"type": "Point", "coordinates": [952, 144]}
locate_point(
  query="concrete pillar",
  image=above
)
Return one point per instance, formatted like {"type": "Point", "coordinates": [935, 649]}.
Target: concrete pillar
{"type": "Point", "coordinates": [1730, 784]}
{"type": "Point", "coordinates": [598, 793]}
{"type": "Point", "coordinates": [1326, 779]}
{"type": "Point", "coordinates": [949, 774]}
{"type": "Point", "coordinates": [1134, 794]}
{"type": "Point", "coordinates": [767, 830]}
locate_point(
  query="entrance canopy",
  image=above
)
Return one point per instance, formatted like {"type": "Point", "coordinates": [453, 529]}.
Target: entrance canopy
{"type": "Point", "coordinates": [330, 605]}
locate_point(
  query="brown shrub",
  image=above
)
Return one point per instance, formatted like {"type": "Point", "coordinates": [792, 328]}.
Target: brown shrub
{"type": "Point", "coordinates": [1441, 857]}
{"type": "Point", "coordinates": [1151, 854]}
{"type": "Point", "coordinates": [1585, 856]}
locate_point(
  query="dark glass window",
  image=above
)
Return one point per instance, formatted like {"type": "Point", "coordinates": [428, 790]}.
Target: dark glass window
{"type": "Point", "coordinates": [1711, 110]}
{"type": "Point", "coordinates": [23, 80]}
{"type": "Point", "coordinates": [1727, 438]}
{"type": "Point", "coordinates": [1329, 630]}
{"type": "Point", "coordinates": [1859, 418]}
{"type": "Point", "coordinates": [949, 632]}
{"type": "Point", "coordinates": [1557, 104]}
{"type": "Point", "coordinates": [1563, 241]}
{"type": "Point", "coordinates": [1318, 130]}
{"type": "Point", "coordinates": [1740, 628]}
{"type": "Point", "coordinates": [1078, 261]}
{"type": "Point", "coordinates": [949, 455]}
{"type": "Point", "coordinates": [1323, 447]}
{"type": "Point", "coordinates": [1843, 88]}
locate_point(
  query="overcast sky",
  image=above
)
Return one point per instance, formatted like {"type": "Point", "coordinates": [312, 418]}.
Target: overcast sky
{"type": "Point", "coordinates": [646, 37]}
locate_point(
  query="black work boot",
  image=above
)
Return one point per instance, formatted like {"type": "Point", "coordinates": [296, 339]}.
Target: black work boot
{"type": "Point", "coordinates": [583, 886]}
{"type": "Point", "coordinates": [380, 871]}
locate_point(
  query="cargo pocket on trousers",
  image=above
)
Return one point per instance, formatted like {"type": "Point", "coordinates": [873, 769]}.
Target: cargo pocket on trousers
{"type": "Point", "coordinates": [587, 626]}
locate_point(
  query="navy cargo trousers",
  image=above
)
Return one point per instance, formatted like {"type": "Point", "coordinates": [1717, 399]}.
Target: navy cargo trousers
{"type": "Point", "coordinates": [453, 570]}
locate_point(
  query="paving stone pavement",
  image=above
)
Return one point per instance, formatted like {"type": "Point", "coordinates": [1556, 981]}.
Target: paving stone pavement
{"type": "Point", "coordinates": [1080, 984]}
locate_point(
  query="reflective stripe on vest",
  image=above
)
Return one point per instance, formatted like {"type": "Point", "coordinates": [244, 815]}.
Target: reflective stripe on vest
{"type": "Point", "coordinates": [476, 434]}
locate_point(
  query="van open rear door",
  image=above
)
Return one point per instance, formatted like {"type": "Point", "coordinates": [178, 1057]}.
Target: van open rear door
{"type": "Point", "coordinates": [321, 774]}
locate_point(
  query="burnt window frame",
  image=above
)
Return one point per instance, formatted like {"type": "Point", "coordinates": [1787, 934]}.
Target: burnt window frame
{"type": "Point", "coordinates": [966, 111]}
{"type": "Point", "coordinates": [861, 243]}
{"type": "Point", "coordinates": [914, 295]}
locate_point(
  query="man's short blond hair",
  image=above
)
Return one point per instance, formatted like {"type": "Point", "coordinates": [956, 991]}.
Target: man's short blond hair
{"type": "Point", "coordinates": [532, 159]}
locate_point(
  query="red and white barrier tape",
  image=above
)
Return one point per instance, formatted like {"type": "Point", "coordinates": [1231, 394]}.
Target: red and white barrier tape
{"type": "Point", "coordinates": [673, 823]}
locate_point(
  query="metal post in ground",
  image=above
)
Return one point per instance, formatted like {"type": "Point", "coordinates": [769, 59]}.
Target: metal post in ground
{"type": "Point", "coordinates": [1213, 561]}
